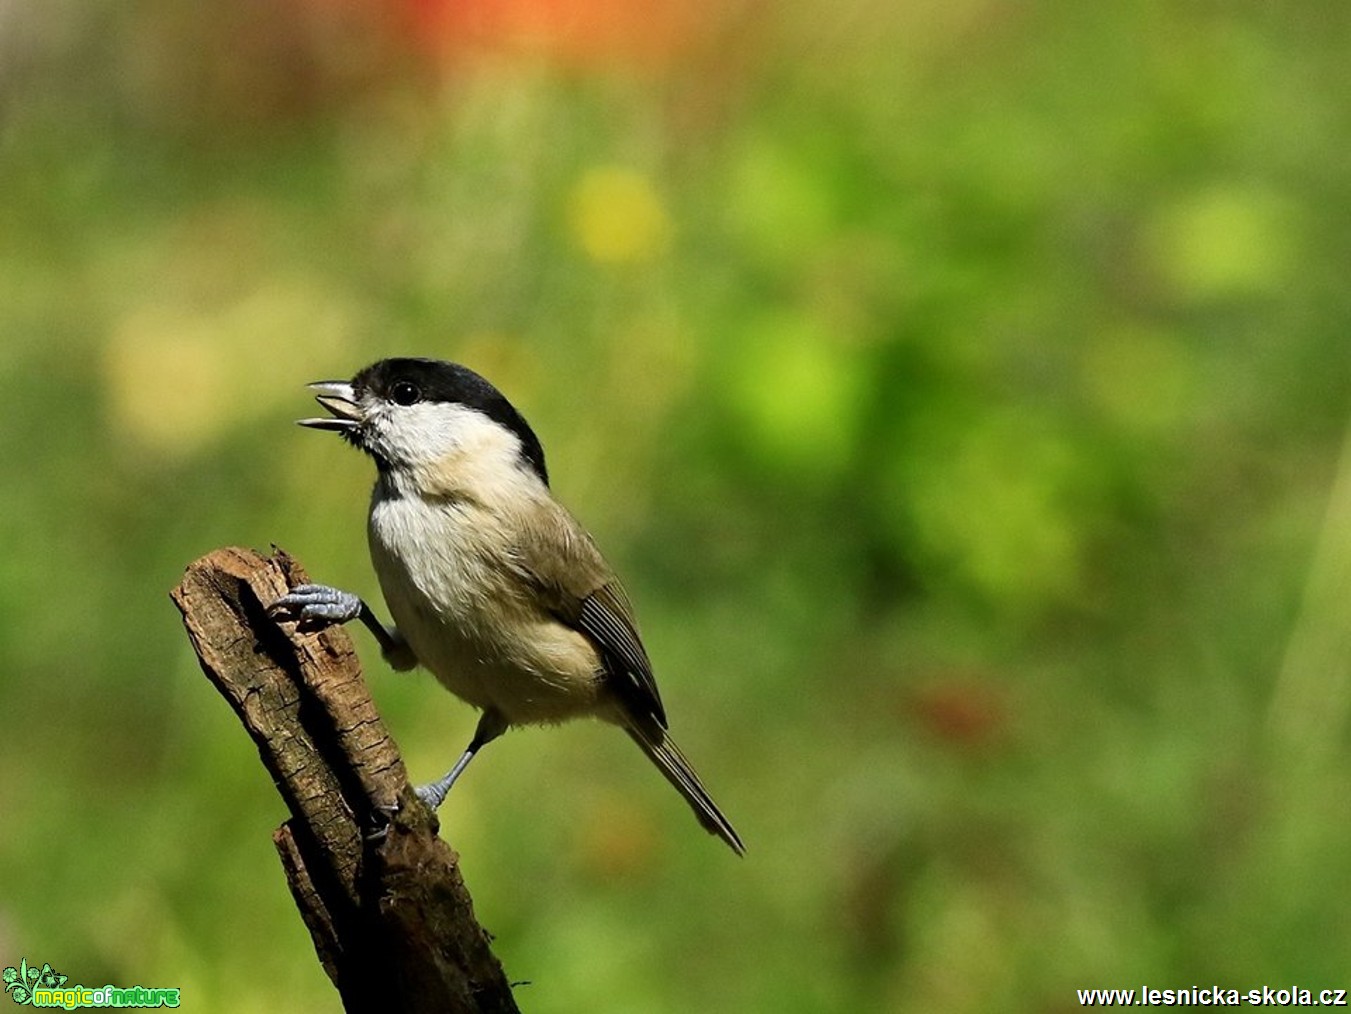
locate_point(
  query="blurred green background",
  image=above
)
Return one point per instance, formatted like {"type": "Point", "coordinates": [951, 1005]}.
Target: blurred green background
{"type": "Point", "coordinates": [961, 388]}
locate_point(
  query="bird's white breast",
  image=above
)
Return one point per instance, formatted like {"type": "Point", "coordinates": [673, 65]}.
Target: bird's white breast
{"type": "Point", "coordinates": [444, 567]}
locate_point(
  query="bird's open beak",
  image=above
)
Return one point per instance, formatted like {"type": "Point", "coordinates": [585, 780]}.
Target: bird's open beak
{"type": "Point", "coordinates": [338, 397]}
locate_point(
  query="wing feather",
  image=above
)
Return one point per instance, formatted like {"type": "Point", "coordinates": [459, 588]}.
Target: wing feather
{"type": "Point", "coordinates": [578, 587]}
{"type": "Point", "coordinates": [607, 619]}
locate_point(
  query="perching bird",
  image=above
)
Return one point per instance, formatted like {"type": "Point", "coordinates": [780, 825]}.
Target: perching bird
{"type": "Point", "coordinates": [493, 585]}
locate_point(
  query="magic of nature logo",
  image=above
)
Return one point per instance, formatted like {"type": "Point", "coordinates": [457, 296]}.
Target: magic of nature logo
{"type": "Point", "coordinates": [46, 987]}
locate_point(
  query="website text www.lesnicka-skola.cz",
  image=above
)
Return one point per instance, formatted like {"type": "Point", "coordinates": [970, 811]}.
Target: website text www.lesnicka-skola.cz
{"type": "Point", "coordinates": [1212, 996]}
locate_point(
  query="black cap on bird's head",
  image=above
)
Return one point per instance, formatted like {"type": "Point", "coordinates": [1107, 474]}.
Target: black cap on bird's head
{"type": "Point", "coordinates": [385, 407]}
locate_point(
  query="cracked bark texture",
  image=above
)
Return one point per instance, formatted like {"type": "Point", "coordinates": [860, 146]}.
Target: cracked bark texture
{"type": "Point", "coordinates": [391, 919]}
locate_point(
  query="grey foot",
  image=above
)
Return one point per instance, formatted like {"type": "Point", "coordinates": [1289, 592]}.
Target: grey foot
{"type": "Point", "coordinates": [318, 603]}
{"type": "Point", "coordinates": [434, 794]}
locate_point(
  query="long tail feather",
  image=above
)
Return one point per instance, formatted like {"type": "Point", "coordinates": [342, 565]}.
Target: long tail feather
{"type": "Point", "coordinates": [672, 763]}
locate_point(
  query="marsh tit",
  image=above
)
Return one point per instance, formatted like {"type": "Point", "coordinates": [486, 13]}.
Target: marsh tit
{"type": "Point", "coordinates": [494, 587]}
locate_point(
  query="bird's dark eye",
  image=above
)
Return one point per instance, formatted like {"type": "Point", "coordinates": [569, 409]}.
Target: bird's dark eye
{"type": "Point", "coordinates": [405, 392]}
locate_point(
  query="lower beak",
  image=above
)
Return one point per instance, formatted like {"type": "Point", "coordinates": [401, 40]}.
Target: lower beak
{"type": "Point", "coordinates": [338, 397]}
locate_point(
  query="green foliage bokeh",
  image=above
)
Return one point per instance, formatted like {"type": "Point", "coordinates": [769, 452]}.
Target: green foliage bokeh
{"type": "Point", "coordinates": [961, 390]}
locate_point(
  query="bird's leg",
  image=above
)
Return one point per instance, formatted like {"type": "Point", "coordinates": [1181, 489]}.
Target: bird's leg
{"type": "Point", "coordinates": [490, 726]}
{"type": "Point", "coordinates": [322, 606]}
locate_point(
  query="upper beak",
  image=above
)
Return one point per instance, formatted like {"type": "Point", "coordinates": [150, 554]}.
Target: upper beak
{"type": "Point", "coordinates": [338, 397]}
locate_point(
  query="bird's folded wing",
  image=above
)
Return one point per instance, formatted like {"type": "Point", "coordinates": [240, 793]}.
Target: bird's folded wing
{"type": "Point", "coordinates": [578, 587]}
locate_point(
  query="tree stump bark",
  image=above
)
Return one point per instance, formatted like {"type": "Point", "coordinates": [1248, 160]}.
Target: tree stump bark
{"type": "Point", "coordinates": [391, 919]}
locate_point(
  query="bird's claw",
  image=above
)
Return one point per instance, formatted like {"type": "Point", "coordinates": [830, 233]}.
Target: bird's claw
{"type": "Point", "coordinates": [381, 831]}
{"type": "Point", "coordinates": [319, 604]}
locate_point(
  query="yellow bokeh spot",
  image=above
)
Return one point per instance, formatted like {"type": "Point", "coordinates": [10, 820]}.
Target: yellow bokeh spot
{"type": "Point", "coordinates": [617, 217]}
{"type": "Point", "coordinates": [166, 388]}
{"type": "Point", "coordinates": [177, 375]}
{"type": "Point", "coordinates": [1224, 241]}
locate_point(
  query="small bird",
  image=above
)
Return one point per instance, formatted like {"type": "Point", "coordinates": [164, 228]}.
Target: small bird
{"type": "Point", "coordinates": [493, 585]}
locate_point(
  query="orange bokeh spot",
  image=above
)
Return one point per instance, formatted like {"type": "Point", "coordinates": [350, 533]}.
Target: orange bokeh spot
{"type": "Point", "coordinates": [570, 31]}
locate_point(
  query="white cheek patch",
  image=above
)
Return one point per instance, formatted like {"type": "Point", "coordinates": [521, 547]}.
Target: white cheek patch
{"type": "Point", "coordinates": [446, 448]}
{"type": "Point", "coordinates": [428, 431]}
{"type": "Point", "coordinates": [417, 435]}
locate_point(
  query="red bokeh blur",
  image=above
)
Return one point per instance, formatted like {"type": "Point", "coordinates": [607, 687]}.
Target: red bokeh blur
{"type": "Point", "coordinates": [581, 32]}
{"type": "Point", "coordinates": [964, 713]}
